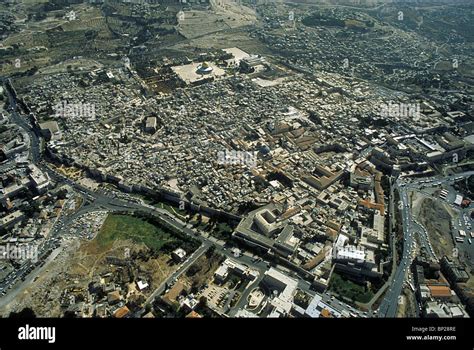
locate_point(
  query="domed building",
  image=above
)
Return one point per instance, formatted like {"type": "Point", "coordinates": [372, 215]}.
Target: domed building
{"type": "Point", "coordinates": [204, 68]}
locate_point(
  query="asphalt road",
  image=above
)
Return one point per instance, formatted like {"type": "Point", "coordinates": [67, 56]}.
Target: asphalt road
{"type": "Point", "coordinates": [35, 152]}
{"type": "Point", "coordinates": [389, 305]}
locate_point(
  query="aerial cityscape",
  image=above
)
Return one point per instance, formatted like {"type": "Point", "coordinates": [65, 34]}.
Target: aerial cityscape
{"type": "Point", "coordinates": [237, 159]}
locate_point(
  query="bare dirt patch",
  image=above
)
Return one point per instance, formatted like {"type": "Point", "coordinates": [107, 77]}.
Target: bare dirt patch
{"type": "Point", "coordinates": [437, 221]}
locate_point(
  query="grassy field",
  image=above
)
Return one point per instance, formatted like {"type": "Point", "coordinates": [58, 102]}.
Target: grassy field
{"type": "Point", "coordinates": [349, 289]}
{"type": "Point", "coordinates": [123, 227]}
